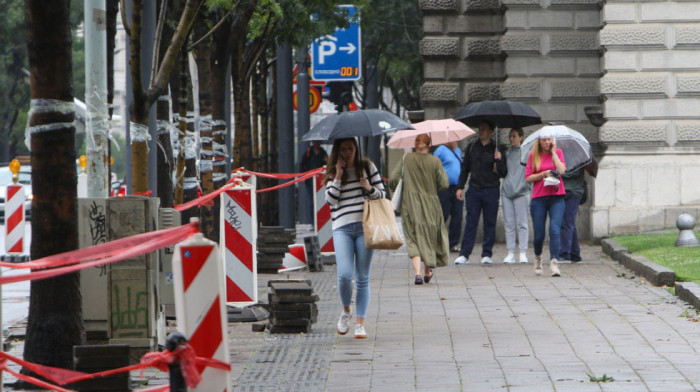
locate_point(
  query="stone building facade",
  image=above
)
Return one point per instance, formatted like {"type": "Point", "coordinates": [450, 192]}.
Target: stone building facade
{"type": "Point", "coordinates": [636, 63]}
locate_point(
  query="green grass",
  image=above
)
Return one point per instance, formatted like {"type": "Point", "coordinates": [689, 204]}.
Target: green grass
{"type": "Point", "coordinates": [661, 249]}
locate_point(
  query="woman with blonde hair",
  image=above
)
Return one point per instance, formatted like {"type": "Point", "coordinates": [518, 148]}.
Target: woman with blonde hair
{"type": "Point", "coordinates": [544, 167]}
{"type": "Point", "coordinates": [421, 213]}
{"type": "Point", "coordinates": [349, 180]}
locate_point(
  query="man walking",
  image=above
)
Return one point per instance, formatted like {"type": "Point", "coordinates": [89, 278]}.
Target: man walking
{"type": "Point", "coordinates": [576, 194]}
{"type": "Point", "coordinates": [451, 157]}
{"type": "Point", "coordinates": [483, 161]}
{"type": "Point", "coordinates": [314, 157]}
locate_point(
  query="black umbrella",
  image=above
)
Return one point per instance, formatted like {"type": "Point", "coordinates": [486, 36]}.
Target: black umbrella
{"type": "Point", "coordinates": [504, 114]}
{"type": "Point", "coordinates": [358, 123]}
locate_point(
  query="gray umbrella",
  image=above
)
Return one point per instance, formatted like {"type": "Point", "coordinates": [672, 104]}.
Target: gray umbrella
{"type": "Point", "coordinates": [358, 123]}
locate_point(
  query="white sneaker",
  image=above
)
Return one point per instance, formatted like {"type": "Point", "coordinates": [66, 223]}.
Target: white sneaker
{"type": "Point", "coordinates": [360, 332]}
{"type": "Point", "coordinates": [461, 260]}
{"type": "Point", "coordinates": [486, 260]}
{"type": "Point", "coordinates": [344, 322]}
{"type": "Point", "coordinates": [510, 259]}
{"type": "Point", "coordinates": [538, 265]}
{"type": "Point", "coordinates": [553, 265]}
{"type": "Point", "coordinates": [523, 258]}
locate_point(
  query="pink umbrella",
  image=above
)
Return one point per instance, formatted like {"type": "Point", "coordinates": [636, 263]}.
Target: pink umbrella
{"type": "Point", "coordinates": [440, 132]}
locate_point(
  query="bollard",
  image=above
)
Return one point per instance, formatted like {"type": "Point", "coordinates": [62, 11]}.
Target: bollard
{"type": "Point", "coordinates": [177, 380]}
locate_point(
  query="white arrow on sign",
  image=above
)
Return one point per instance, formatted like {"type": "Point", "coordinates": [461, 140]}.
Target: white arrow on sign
{"type": "Point", "coordinates": [350, 48]}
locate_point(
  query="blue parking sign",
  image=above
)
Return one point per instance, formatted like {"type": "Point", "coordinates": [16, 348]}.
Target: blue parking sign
{"type": "Point", "coordinates": [337, 57]}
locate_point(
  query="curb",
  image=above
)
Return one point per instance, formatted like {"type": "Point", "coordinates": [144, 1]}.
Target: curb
{"type": "Point", "coordinates": [689, 292]}
{"type": "Point", "coordinates": [656, 274]}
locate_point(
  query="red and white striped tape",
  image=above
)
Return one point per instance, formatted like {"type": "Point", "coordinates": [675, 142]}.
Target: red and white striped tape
{"type": "Point", "coordinates": [239, 236]}
{"type": "Point", "coordinates": [200, 307]}
{"type": "Point", "coordinates": [295, 259]}
{"type": "Point", "coordinates": [14, 219]}
{"type": "Point", "coordinates": [323, 225]}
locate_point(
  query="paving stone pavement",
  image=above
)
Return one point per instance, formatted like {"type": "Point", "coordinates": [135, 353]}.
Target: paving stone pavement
{"type": "Point", "coordinates": [478, 328]}
{"type": "Point", "coordinates": [483, 328]}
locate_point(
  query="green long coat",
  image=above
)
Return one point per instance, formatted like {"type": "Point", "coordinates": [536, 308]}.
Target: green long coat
{"type": "Point", "coordinates": [421, 214]}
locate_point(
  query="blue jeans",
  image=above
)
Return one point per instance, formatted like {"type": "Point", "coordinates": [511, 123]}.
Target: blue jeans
{"type": "Point", "coordinates": [452, 209]}
{"type": "Point", "coordinates": [478, 200]}
{"type": "Point", "coordinates": [351, 257]}
{"type": "Point", "coordinates": [539, 208]}
{"type": "Point", "coordinates": [569, 237]}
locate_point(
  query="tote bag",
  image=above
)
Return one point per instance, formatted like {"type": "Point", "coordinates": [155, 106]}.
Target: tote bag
{"type": "Point", "coordinates": [379, 225]}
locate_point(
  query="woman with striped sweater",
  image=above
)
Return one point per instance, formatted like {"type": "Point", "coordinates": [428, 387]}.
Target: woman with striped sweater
{"type": "Point", "coordinates": [348, 181]}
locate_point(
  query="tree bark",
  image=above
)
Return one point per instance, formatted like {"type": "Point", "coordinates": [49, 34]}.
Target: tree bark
{"type": "Point", "coordinates": [55, 323]}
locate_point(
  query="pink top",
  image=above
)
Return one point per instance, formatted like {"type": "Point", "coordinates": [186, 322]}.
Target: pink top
{"type": "Point", "coordinates": [538, 188]}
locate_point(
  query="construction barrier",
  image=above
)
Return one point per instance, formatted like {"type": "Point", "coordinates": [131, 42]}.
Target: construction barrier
{"type": "Point", "coordinates": [200, 307]}
{"type": "Point", "coordinates": [14, 219]}
{"type": "Point", "coordinates": [322, 216]}
{"type": "Point", "coordinates": [238, 238]}
{"type": "Point", "coordinates": [295, 259]}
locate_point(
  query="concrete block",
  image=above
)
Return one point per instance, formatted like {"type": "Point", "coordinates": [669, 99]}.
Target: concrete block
{"type": "Point", "coordinates": [482, 5]}
{"type": "Point", "coordinates": [623, 220]}
{"type": "Point", "coordinates": [605, 187]}
{"type": "Point", "coordinates": [651, 218]}
{"type": "Point", "coordinates": [640, 193]}
{"type": "Point", "coordinates": [626, 84]}
{"type": "Point", "coordinates": [589, 66]}
{"type": "Point", "coordinates": [455, 24]}
{"type": "Point", "coordinates": [439, 47]}
{"type": "Point", "coordinates": [515, 88]}
{"type": "Point", "coordinates": [440, 92]}
{"type": "Point", "coordinates": [653, 35]}
{"type": "Point", "coordinates": [621, 109]}
{"type": "Point", "coordinates": [619, 13]}
{"type": "Point", "coordinates": [667, 186]}
{"type": "Point", "coordinates": [574, 42]}
{"type": "Point", "coordinates": [435, 112]}
{"type": "Point", "coordinates": [551, 19]}
{"type": "Point", "coordinates": [623, 186]}
{"type": "Point", "coordinates": [685, 108]}
{"type": "Point", "coordinates": [576, 89]}
{"type": "Point", "coordinates": [668, 12]}
{"type": "Point", "coordinates": [656, 274]}
{"type": "Point", "coordinates": [433, 24]}
{"type": "Point", "coordinates": [481, 92]}
{"type": "Point", "coordinates": [688, 84]}
{"type": "Point", "coordinates": [575, 3]}
{"type": "Point", "coordinates": [516, 19]}
{"type": "Point", "coordinates": [520, 3]}
{"type": "Point", "coordinates": [599, 222]}
{"type": "Point", "coordinates": [475, 69]}
{"type": "Point", "coordinates": [518, 42]}
{"type": "Point", "coordinates": [689, 194]}
{"type": "Point", "coordinates": [620, 61]}
{"type": "Point", "coordinates": [670, 59]}
{"type": "Point", "coordinates": [612, 248]}
{"type": "Point", "coordinates": [540, 66]}
{"type": "Point", "coordinates": [689, 292]}
{"type": "Point", "coordinates": [474, 47]}
{"type": "Point", "coordinates": [687, 131]}
{"type": "Point", "coordinates": [434, 6]}
{"type": "Point", "coordinates": [587, 20]}
{"type": "Point", "coordinates": [687, 35]}
{"type": "Point", "coordinates": [633, 131]}
{"type": "Point", "coordinates": [434, 69]}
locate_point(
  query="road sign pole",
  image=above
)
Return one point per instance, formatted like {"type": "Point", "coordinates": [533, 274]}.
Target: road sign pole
{"type": "Point", "coordinates": [303, 119]}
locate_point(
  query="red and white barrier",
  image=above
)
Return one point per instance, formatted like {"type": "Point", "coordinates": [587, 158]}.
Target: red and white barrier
{"type": "Point", "coordinates": [295, 259]}
{"type": "Point", "coordinates": [14, 219]}
{"type": "Point", "coordinates": [239, 235]}
{"type": "Point", "coordinates": [322, 217]}
{"type": "Point", "coordinates": [200, 307]}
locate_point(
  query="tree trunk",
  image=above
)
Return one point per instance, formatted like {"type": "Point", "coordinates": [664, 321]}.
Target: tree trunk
{"type": "Point", "coordinates": [206, 154]}
{"type": "Point", "coordinates": [55, 321]}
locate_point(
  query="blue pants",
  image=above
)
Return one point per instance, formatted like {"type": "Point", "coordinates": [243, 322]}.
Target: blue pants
{"type": "Point", "coordinates": [452, 209]}
{"type": "Point", "coordinates": [351, 257]}
{"type": "Point", "coordinates": [478, 200]}
{"type": "Point", "coordinates": [539, 208]}
{"type": "Point", "coordinates": [569, 237]}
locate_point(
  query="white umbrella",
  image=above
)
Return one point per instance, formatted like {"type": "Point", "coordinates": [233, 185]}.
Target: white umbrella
{"type": "Point", "coordinates": [576, 149]}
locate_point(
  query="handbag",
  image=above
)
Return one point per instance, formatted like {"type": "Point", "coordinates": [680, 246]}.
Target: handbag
{"type": "Point", "coordinates": [398, 192]}
{"type": "Point", "coordinates": [379, 225]}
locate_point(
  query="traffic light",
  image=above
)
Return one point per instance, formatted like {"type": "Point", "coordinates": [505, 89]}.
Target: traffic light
{"type": "Point", "coordinates": [340, 94]}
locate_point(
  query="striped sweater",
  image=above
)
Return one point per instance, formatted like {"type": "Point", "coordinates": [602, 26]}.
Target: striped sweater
{"type": "Point", "coordinates": [347, 200]}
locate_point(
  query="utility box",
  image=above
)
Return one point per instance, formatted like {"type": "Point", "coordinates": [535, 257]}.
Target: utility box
{"type": "Point", "coordinates": [121, 300]}
{"type": "Point", "coordinates": [168, 218]}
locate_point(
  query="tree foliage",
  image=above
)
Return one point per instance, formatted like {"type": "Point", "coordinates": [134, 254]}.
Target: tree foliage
{"type": "Point", "coordinates": [391, 34]}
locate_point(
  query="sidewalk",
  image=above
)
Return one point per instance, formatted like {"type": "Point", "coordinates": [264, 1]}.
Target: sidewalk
{"type": "Point", "coordinates": [483, 328]}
